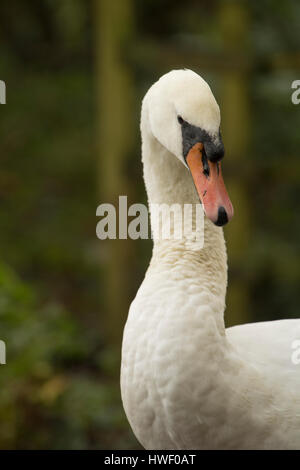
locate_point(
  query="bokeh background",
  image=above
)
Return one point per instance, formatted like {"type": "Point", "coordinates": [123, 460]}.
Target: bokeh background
{"type": "Point", "coordinates": [76, 71]}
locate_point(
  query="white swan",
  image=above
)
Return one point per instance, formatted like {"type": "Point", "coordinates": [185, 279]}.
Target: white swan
{"type": "Point", "coordinates": [186, 382]}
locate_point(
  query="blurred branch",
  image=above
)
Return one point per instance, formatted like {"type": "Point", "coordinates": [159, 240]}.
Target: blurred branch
{"type": "Point", "coordinates": [114, 134]}
{"type": "Point", "coordinates": [170, 56]}
{"type": "Point", "coordinates": [178, 55]}
{"type": "Point", "coordinates": [234, 24]}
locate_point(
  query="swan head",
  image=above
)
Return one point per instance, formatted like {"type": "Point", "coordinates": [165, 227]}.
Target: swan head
{"type": "Point", "coordinates": [184, 117]}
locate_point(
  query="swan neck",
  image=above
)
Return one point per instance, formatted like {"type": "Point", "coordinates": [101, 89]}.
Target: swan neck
{"type": "Point", "coordinates": [201, 260]}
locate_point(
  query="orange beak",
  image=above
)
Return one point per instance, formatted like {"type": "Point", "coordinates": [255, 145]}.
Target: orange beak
{"type": "Point", "coordinates": [210, 186]}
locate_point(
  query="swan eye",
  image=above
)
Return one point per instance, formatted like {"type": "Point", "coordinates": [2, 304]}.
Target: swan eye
{"type": "Point", "coordinates": [179, 119]}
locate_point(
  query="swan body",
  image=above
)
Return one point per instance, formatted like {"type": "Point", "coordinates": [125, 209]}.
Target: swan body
{"type": "Point", "coordinates": [186, 381]}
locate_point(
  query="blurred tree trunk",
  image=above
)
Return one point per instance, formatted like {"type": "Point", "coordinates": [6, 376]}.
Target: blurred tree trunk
{"type": "Point", "coordinates": [235, 110]}
{"type": "Point", "coordinates": [113, 23]}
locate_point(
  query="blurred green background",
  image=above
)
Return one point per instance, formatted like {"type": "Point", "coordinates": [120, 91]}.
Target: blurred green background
{"type": "Point", "coordinates": [76, 71]}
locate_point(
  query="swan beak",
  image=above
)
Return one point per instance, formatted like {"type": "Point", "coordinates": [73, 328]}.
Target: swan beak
{"type": "Point", "coordinates": [209, 183]}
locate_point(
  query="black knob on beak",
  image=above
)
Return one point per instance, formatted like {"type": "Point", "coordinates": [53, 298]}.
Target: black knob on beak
{"type": "Point", "coordinates": [222, 217]}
